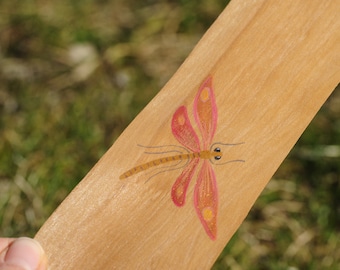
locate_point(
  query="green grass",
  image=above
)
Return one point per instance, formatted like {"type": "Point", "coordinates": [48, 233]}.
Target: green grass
{"type": "Point", "coordinates": [58, 117]}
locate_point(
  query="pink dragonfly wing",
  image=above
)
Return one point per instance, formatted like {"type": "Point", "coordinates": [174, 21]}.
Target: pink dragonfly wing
{"type": "Point", "coordinates": [205, 112]}
{"type": "Point", "coordinates": [180, 187]}
{"type": "Point", "coordinates": [183, 130]}
{"type": "Point", "coordinates": [206, 199]}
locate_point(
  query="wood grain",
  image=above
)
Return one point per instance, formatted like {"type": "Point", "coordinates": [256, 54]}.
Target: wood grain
{"type": "Point", "coordinates": [273, 64]}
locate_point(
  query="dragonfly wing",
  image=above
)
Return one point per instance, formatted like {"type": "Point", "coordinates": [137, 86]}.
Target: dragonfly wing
{"type": "Point", "coordinates": [206, 199]}
{"type": "Point", "coordinates": [180, 187]}
{"type": "Point", "coordinates": [205, 112]}
{"type": "Point", "coordinates": [183, 130]}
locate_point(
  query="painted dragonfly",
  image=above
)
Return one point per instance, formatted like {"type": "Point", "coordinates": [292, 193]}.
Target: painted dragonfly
{"type": "Point", "coordinates": [205, 192]}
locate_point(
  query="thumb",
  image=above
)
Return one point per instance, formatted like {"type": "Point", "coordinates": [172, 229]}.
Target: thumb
{"type": "Point", "coordinates": [24, 254]}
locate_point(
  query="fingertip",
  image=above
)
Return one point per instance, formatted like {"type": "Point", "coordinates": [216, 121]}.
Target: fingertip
{"type": "Point", "coordinates": [26, 253]}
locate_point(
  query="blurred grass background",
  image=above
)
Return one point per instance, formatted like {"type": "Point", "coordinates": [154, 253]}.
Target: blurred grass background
{"type": "Point", "coordinates": [73, 74]}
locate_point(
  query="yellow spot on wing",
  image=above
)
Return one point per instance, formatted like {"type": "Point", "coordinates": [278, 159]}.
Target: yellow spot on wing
{"type": "Point", "coordinates": [205, 95]}
{"type": "Point", "coordinates": [179, 191]}
{"type": "Point", "coordinates": [181, 120]}
{"type": "Point", "coordinates": [207, 213]}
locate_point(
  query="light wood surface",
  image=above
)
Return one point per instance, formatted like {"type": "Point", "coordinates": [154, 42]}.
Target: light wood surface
{"type": "Point", "coordinates": [273, 65]}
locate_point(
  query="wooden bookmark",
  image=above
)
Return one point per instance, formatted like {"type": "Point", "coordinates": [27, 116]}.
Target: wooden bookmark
{"type": "Point", "coordinates": [179, 181]}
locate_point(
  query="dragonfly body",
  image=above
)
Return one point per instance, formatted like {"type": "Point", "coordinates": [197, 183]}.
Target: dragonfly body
{"type": "Point", "coordinates": [205, 154]}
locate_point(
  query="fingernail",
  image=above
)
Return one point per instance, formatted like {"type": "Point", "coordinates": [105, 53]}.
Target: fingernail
{"type": "Point", "coordinates": [26, 253]}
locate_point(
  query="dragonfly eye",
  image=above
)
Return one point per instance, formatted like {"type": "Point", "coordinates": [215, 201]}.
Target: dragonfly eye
{"type": "Point", "coordinates": [217, 150]}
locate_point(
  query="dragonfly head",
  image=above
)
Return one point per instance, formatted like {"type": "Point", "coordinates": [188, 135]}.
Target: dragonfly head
{"type": "Point", "coordinates": [216, 152]}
